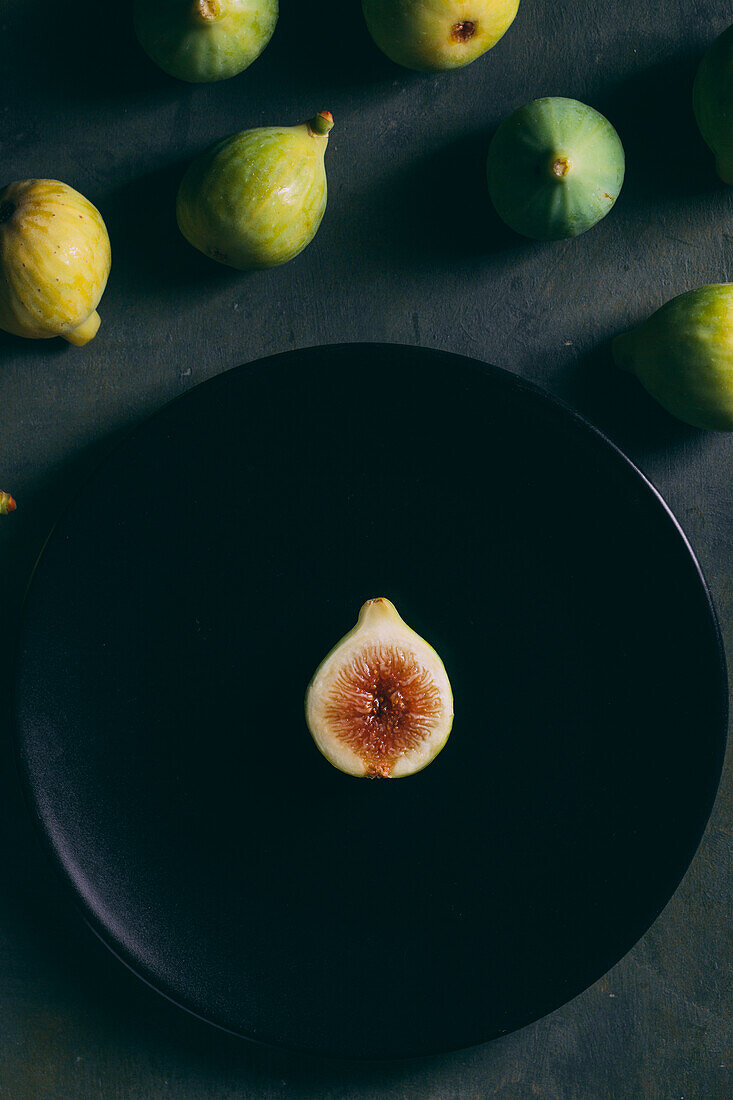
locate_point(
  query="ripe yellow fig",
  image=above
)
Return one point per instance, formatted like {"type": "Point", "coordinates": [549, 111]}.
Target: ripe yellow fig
{"type": "Point", "coordinates": [54, 261]}
{"type": "Point", "coordinates": [436, 35]}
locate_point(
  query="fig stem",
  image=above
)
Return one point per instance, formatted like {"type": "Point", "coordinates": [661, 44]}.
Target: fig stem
{"type": "Point", "coordinates": [207, 11]}
{"type": "Point", "coordinates": [84, 332]}
{"type": "Point", "coordinates": [7, 504]}
{"type": "Point", "coordinates": [322, 124]}
{"type": "Point", "coordinates": [560, 166]}
{"type": "Point", "coordinates": [380, 608]}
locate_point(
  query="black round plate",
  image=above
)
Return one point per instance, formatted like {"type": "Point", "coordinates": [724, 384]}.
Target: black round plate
{"type": "Point", "coordinates": [189, 593]}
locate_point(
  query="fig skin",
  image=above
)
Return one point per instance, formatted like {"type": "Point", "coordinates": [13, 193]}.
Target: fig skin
{"type": "Point", "coordinates": [555, 168]}
{"type": "Point", "coordinates": [381, 674]}
{"type": "Point", "coordinates": [54, 261]}
{"type": "Point", "coordinates": [683, 356]}
{"type": "Point", "coordinates": [257, 198]}
{"type": "Point", "coordinates": [204, 40]}
{"type": "Point", "coordinates": [712, 101]}
{"type": "Point", "coordinates": [7, 504]}
{"type": "Point", "coordinates": [437, 35]}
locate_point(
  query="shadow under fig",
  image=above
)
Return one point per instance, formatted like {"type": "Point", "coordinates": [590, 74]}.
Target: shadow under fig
{"type": "Point", "coordinates": [150, 254]}
{"type": "Point", "coordinates": [36, 349]}
{"type": "Point", "coordinates": [616, 403]}
{"type": "Point", "coordinates": [316, 48]}
{"type": "Point", "coordinates": [429, 212]}
{"type": "Point", "coordinates": [652, 111]}
{"type": "Point", "coordinates": [89, 51]}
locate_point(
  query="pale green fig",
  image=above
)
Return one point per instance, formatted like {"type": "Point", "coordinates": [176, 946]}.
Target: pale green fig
{"type": "Point", "coordinates": [683, 356]}
{"type": "Point", "coordinates": [555, 168]}
{"type": "Point", "coordinates": [204, 40]}
{"type": "Point", "coordinates": [380, 703]}
{"type": "Point", "coordinates": [256, 199]}
{"type": "Point", "coordinates": [712, 99]}
{"type": "Point", "coordinates": [434, 35]}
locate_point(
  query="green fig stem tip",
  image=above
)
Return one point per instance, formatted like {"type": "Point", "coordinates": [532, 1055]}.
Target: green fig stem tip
{"type": "Point", "coordinates": [560, 166]}
{"type": "Point", "coordinates": [207, 11]}
{"type": "Point", "coordinates": [7, 504]}
{"type": "Point", "coordinates": [322, 123]}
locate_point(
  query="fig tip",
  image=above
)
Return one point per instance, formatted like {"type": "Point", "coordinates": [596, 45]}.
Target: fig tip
{"type": "Point", "coordinates": [322, 124]}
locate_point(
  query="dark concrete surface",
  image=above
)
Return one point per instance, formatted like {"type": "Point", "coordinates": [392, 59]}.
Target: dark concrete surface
{"type": "Point", "coordinates": [409, 251]}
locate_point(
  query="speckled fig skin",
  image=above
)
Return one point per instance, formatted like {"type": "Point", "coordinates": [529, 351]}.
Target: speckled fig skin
{"type": "Point", "coordinates": [204, 40]}
{"type": "Point", "coordinates": [555, 168]}
{"type": "Point", "coordinates": [54, 261]}
{"type": "Point", "coordinates": [256, 199]}
{"type": "Point", "coordinates": [436, 35]}
{"type": "Point", "coordinates": [712, 100]}
{"type": "Point", "coordinates": [683, 356]}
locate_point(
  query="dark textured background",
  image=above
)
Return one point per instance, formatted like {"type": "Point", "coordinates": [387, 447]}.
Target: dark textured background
{"type": "Point", "coordinates": [409, 252]}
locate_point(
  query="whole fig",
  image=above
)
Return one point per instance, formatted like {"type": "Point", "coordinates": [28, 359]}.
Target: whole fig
{"type": "Point", "coordinates": [712, 100]}
{"type": "Point", "coordinates": [683, 356]}
{"type": "Point", "coordinates": [555, 168]}
{"type": "Point", "coordinates": [203, 40]}
{"type": "Point", "coordinates": [54, 261]}
{"type": "Point", "coordinates": [433, 35]}
{"type": "Point", "coordinates": [256, 199]}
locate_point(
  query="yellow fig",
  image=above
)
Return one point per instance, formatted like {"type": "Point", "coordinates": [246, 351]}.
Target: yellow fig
{"type": "Point", "coordinates": [54, 261]}
{"type": "Point", "coordinates": [436, 35]}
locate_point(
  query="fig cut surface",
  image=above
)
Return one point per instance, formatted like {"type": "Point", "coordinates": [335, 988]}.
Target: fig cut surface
{"type": "Point", "coordinates": [380, 704]}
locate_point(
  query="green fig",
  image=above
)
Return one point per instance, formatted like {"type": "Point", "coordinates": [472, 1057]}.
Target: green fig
{"type": "Point", "coordinates": [7, 504]}
{"type": "Point", "coordinates": [712, 100]}
{"type": "Point", "coordinates": [380, 703]}
{"type": "Point", "coordinates": [683, 356]}
{"type": "Point", "coordinates": [555, 168]}
{"type": "Point", "coordinates": [203, 40]}
{"type": "Point", "coordinates": [256, 199]}
{"type": "Point", "coordinates": [433, 35]}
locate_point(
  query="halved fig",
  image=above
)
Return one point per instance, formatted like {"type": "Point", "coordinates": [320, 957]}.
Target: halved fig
{"type": "Point", "coordinates": [380, 703]}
